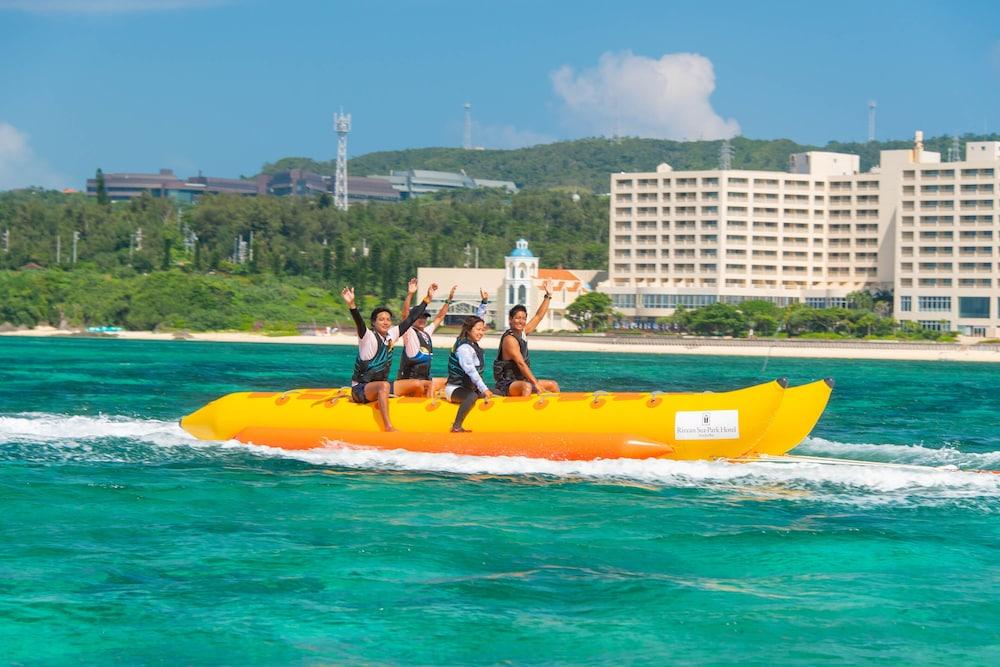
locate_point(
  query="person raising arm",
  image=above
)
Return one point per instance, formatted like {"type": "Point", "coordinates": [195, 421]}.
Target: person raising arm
{"type": "Point", "coordinates": [371, 367]}
{"type": "Point", "coordinates": [418, 346]}
{"type": "Point", "coordinates": [512, 367]}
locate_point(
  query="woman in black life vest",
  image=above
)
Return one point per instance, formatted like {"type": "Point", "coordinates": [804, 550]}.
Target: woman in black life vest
{"type": "Point", "coordinates": [465, 369]}
{"type": "Point", "coordinates": [512, 367]}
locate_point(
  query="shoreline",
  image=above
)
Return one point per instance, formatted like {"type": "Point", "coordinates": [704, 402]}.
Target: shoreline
{"type": "Point", "coordinates": [805, 349]}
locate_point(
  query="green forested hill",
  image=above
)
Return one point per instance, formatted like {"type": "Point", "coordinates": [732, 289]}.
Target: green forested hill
{"type": "Point", "coordinates": [586, 163]}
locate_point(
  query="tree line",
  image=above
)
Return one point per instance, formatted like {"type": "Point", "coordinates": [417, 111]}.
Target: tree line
{"type": "Point", "coordinates": [585, 164]}
{"type": "Point", "coordinates": [867, 317]}
{"type": "Point", "coordinates": [374, 246]}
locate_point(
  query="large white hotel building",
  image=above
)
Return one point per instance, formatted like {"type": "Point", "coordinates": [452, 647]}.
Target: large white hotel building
{"type": "Point", "coordinates": [928, 230]}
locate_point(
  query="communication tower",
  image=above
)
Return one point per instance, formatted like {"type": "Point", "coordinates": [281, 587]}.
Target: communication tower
{"type": "Point", "coordinates": [871, 120]}
{"type": "Point", "coordinates": [467, 130]}
{"type": "Point", "coordinates": [726, 156]}
{"type": "Point", "coordinates": [953, 150]}
{"type": "Point", "coordinates": [342, 123]}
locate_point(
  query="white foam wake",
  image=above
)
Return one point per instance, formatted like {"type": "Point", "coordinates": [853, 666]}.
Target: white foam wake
{"type": "Point", "coordinates": [818, 481]}
{"type": "Point", "coordinates": [913, 454]}
{"type": "Point", "coordinates": [40, 427]}
{"type": "Point", "coordinates": [86, 438]}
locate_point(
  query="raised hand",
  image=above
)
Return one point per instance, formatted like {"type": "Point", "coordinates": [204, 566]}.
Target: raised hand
{"type": "Point", "coordinates": [411, 286]}
{"type": "Point", "coordinates": [348, 294]}
{"type": "Point", "coordinates": [483, 294]}
{"type": "Point", "coordinates": [430, 291]}
{"type": "Point", "coordinates": [547, 286]}
{"type": "Point", "coordinates": [451, 292]}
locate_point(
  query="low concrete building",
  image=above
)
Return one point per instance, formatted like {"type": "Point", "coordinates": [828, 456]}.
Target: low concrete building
{"type": "Point", "coordinates": [416, 182]}
{"type": "Point", "coordinates": [123, 186]}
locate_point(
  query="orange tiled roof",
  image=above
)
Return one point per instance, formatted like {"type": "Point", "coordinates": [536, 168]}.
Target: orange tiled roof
{"type": "Point", "coordinates": [557, 274]}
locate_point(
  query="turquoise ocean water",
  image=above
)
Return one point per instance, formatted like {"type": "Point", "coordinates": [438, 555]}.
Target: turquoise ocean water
{"type": "Point", "coordinates": [124, 540]}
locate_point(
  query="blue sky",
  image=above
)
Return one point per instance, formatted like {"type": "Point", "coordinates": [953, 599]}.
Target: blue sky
{"type": "Point", "coordinates": [226, 85]}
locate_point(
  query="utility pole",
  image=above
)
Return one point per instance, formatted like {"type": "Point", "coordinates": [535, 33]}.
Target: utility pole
{"type": "Point", "coordinates": [467, 129]}
{"type": "Point", "coordinates": [58, 249]}
{"type": "Point", "coordinates": [76, 239]}
{"type": "Point", "coordinates": [871, 120]}
{"type": "Point", "coordinates": [6, 240]}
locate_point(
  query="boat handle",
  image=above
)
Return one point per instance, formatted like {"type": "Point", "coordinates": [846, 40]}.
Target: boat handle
{"type": "Point", "coordinates": [599, 394]}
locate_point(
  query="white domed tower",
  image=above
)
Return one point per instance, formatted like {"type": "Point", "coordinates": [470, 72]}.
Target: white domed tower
{"type": "Point", "coordinates": [521, 270]}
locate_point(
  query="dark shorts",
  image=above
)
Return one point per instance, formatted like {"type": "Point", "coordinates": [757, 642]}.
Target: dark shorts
{"type": "Point", "coordinates": [358, 392]}
{"type": "Point", "coordinates": [502, 388]}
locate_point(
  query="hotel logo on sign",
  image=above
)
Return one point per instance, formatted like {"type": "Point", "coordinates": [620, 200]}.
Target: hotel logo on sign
{"type": "Point", "coordinates": [707, 425]}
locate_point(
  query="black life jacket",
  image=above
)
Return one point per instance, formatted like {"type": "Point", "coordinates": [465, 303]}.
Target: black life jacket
{"type": "Point", "coordinates": [505, 370]}
{"type": "Point", "coordinates": [375, 369]}
{"type": "Point", "coordinates": [417, 367]}
{"type": "Point", "coordinates": [458, 376]}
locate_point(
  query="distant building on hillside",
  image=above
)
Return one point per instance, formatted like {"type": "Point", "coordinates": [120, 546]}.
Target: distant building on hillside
{"type": "Point", "coordinates": [291, 182]}
{"type": "Point", "coordinates": [125, 186]}
{"type": "Point", "coordinates": [415, 182]}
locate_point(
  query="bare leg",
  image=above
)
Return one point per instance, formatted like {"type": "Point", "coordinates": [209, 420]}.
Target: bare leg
{"type": "Point", "coordinates": [379, 391]}
{"type": "Point", "coordinates": [412, 387]}
{"type": "Point", "coordinates": [437, 385]}
{"type": "Point", "coordinates": [519, 388]}
{"type": "Point", "coordinates": [549, 385]}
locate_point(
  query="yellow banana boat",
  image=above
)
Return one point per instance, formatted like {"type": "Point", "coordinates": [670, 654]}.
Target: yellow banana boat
{"type": "Point", "coordinates": [763, 419]}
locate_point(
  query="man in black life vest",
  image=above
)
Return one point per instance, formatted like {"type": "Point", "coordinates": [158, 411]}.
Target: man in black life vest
{"type": "Point", "coordinates": [418, 347]}
{"type": "Point", "coordinates": [512, 367]}
{"type": "Point", "coordinates": [371, 368]}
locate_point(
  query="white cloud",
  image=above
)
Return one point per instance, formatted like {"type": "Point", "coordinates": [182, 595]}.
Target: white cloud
{"type": "Point", "coordinates": [506, 136]}
{"type": "Point", "coordinates": [104, 6]}
{"type": "Point", "coordinates": [19, 166]}
{"type": "Point", "coordinates": [637, 96]}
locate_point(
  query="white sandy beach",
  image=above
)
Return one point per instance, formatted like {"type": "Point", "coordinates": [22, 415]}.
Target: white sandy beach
{"type": "Point", "coordinates": [803, 349]}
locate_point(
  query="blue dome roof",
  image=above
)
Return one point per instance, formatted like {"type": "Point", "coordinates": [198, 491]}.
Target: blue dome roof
{"type": "Point", "coordinates": [521, 249]}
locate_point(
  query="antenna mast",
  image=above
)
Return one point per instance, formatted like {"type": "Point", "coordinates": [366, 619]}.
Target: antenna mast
{"type": "Point", "coordinates": [467, 130]}
{"type": "Point", "coordinates": [726, 156]}
{"type": "Point", "coordinates": [871, 120]}
{"type": "Point", "coordinates": [953, 150]}
{"type": "Point", "coordinates": [342, 123]}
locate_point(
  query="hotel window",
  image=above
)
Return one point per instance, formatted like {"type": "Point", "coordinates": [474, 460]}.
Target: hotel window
{"type": "Point", "coordinates": [974, 307]}
{"type": "Point", "coordinates": [623, 300]}
{"type": "Point", "coordinates": [938, 304]}
{"type": "Point", "coordinates": [906, 303]}
{"type": "Point", "coordinates": [934, 325]}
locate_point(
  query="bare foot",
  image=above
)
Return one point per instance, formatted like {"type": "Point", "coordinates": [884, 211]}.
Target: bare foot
{"type": "Point", "coordinates": [390, 429]}
{"type": "Point", "coordinates": [459, 429]}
